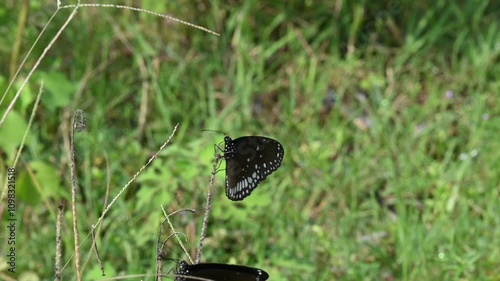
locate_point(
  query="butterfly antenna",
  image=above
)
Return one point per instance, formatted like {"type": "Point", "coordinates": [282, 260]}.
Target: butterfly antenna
{"type": "Point", "coordinates": [209, 130]}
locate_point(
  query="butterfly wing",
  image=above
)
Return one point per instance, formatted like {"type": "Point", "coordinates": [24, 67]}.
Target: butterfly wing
{"type": "Point", "coordinates": [219, 271]}
{"type": "Point", "coordinates": [249, 160]}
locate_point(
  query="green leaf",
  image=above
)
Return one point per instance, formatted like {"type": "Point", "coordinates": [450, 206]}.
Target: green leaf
{"type": "Point", "coordinates": [59, 90]}
{"type": "Point", "coordinates": [26, 98]}
{"type": "Point", "coordinates": [26, 190]}
{"type": "Point", "coordinates": [95, 272]}
{"type": "Point", "coordinates": [12, 132]}
{"type": "Point", "coordinates": [149, 196]}
{"type": "Point", "coordinates": [46, 175]}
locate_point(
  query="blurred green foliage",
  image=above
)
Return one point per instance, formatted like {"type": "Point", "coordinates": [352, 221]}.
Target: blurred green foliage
{"type": "Point", "coordinates": [388, 112]}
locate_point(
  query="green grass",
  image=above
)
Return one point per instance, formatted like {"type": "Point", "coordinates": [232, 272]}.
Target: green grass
{"type": "Point", "coordinates": [398, 180]}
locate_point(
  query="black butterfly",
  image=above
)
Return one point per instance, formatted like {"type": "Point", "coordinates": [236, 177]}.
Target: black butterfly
{"type": "Point", "coordinates": [249, 160]}
{"type": "Point", "coordinates": [219, 272]}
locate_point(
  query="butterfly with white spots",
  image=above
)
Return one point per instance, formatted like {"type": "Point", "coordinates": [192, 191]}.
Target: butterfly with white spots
{"type": "Point", "coordinates": [249, 160]}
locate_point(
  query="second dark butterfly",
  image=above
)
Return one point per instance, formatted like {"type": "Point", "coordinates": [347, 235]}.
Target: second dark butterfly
{"type": "Point", "coordinates": [219, 272]}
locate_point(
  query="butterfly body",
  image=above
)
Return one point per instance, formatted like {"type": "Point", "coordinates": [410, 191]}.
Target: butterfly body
{"type": "Point", "coordinates": [219, 272]}
{"type": "Point", "coordinates": [249, 161]}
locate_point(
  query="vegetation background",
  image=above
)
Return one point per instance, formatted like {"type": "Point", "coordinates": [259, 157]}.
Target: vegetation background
{"type": "Point", "coordinates": [388, 112]}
